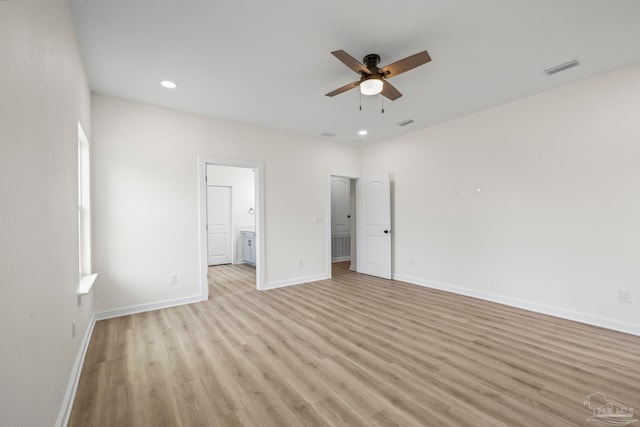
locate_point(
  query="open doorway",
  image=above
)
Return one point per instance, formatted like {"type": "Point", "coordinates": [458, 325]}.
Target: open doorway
{"type": "Point", "coordinates": [343, 208]}
{"type": "Point", "coordinates": [231, 225]}
{"type": "Point", "coordinates": [342, 227]}
{"type": "Point", "coordinates": [369, 222]}
{"type": "Point", "coordinates": [230, 215]}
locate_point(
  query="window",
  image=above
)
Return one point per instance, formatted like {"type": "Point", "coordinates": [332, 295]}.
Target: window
{"type": "Point", "coordinates": [84, 214]}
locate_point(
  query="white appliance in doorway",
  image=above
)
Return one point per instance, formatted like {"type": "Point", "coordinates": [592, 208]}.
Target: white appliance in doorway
{"type": "Point", "coordinates": [219, 227]}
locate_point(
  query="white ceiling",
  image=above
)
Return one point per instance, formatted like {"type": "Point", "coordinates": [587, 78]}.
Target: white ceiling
{"type": "Point", "coordinates": [269, 62]}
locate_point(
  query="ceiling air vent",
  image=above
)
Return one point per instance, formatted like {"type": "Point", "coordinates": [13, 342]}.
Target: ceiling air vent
{"type": "Point", "coordinates": [328, 134]}
{"type": "Point", "coordinates": [405, 122]}
{"type": "Point", "coordinates": [562, 67]}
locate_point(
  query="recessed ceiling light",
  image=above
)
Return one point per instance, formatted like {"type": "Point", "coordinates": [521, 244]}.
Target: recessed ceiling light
{"type": "Point", "coordinates": [362, 132]}
{"type": "Point", "coordinates": [168, 84]}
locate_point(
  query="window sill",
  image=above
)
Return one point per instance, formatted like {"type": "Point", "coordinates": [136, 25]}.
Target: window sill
{"type": "Point", "coordinates": [86, 283]}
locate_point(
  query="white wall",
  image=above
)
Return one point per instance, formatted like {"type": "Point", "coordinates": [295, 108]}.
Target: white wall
{"type": "Point", "coordinates": [43, 95]}
{"type": "Point", "coordinates": [146, 189]}
{"type": "Point", "coordinates": [556, 224]}
{"type": "Point", "coordinates": [242, 181]}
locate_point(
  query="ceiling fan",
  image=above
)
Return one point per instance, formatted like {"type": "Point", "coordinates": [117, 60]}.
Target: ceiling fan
{"type": "Point", "coordinates": [373, 79]}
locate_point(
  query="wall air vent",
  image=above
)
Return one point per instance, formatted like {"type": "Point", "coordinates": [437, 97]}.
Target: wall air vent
{"type": "Point", "coordinates": [561, 67]}
{"type": "Point", "coordinates": [405, 122]}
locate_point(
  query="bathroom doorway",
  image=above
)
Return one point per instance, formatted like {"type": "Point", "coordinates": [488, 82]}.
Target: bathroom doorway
{"type": "Point", "coordinates": [231, 224]}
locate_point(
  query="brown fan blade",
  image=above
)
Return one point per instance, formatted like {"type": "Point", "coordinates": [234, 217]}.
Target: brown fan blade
{"type": "Point", "coordinates": [351, 62]}
{"type": "Point", "coordinates": [343, 89]}
{"type": "Point", "coordinates": [389, 91]}
{"type": "Point", "coordinates": [406, 64]}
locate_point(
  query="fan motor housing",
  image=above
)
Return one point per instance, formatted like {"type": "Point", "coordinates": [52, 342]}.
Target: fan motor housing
{"type": "Point", "coordinates": [371, 60]}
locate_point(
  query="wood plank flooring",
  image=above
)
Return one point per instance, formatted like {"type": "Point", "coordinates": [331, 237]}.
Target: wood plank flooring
{"type": "Point", "coordinates": [354, 350]}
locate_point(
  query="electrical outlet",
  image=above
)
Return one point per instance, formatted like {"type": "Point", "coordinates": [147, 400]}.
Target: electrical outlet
{"type": "Point", "coordinates": [73, 329]}
{"type": "Point", "coordinates": [299, 262]}
{"type": "Point", "coordinates": [173, 279]}
{"type": "Point", "coordinates": [625, 296]}
{"type": "Point", "coordinates": [412, 262]}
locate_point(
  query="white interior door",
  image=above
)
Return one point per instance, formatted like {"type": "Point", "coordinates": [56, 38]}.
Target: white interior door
{"type": "Point", "coordinates": [219, 231]}
{"type": "Point", "coordinates": [373, 213]}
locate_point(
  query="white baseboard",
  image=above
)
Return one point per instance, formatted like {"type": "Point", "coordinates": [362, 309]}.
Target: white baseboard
{"type": "Point", "coordinates": [537, 308]}
{"type": "Point", "coordinates": [245, 262]}
{"type": "Point", "coordinates": [108, 314]}
{"type": "Point", "coordinates": [341, 258]}
{"type": "Point", "coordinates": [76, 370]}
{"type": "Point", "coordinates": [295, 281]}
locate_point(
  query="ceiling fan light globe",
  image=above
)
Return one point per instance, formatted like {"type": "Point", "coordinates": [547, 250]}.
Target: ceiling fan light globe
{"type": "Point", "coordinates": [371, 86]}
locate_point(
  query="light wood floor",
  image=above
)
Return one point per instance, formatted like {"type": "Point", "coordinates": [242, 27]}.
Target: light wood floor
{"type": "Point", "coordinates": [353, 350]}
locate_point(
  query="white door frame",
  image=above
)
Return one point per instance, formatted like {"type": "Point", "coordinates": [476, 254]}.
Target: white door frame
{"type": "Point", "coordinates": [328, 216]}
{"type": "Point", "coordinates": [203, 161]}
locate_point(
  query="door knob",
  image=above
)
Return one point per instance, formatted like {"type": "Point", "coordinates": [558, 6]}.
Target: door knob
{"type": "Point", "coordinates": [386, 231]}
